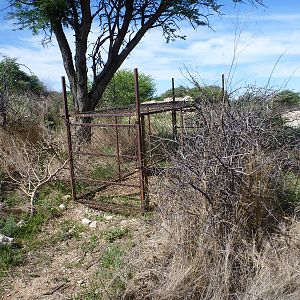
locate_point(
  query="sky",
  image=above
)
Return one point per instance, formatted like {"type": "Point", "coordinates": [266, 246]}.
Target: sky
{"type": "Point", "coordinates": [249, 45]}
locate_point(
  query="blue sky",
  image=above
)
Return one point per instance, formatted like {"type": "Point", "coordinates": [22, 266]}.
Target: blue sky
{"type": "Point", "coordinates": [247, 44]}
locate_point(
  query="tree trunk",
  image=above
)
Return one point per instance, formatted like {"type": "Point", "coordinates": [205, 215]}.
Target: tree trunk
{"type": "Point", "coordinates": [84, 133]}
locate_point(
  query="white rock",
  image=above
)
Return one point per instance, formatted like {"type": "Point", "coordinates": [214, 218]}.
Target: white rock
{"type": "Point", "coordinates": [62, 207]}
{"type": "Point", "coordinates": [133, 222]}
{"type": "Point", "coordinates": [93, 224]}
{"type": "Point", "coordinates": [108, 218]}
{"type": "Point", "coordinates": [86, 221]}
{"type": "Point", "coordinates": [21, 223]}
{"type": "Point", "coordinates": [66, 197]}
{"type": "Point", "coordinates": [5, 240]}
{"type": "Point", "coordinates": [129, 222]}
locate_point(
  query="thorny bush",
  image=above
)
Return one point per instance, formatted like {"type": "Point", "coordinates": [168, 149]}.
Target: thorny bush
{"type": "Point", "coordinates": [226, 194]}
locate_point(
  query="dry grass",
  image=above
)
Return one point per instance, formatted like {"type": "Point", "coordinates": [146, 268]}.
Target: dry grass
{"type": "Point", "coordinates": [167, 272]}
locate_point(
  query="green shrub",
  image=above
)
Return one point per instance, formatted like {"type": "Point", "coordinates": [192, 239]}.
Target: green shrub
{"type": "Point", "coordinates": [9, 227]}
{"type": "Point", "coordinates": [115, 234]}
{"type": "Point", "coordinates": [111, 258]}
{"type": "Point", "coordinates": [290, 192]}
{"type": "Point", "coordinates": [9, 256]}
{"type": "Point", "coordinates": [286, 99]}
{"type": "Point", "coordinates": [106, 171]}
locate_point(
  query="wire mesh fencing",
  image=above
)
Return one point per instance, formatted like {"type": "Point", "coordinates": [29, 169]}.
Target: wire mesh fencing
{"type": "Point", "coordinates": [120, 148]}
{"type": "Point", "coordinates": [164, 126]}
{"type": "Point", "coordinates": [108, 152]}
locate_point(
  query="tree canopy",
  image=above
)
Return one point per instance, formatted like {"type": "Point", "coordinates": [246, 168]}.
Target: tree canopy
{"type": "Point", "coordinates": [119, 25]}
{"type": "Point", "coordinates": [14, 85]}
{"type": "Point", "coordinates": [180, 91]}
{"type": "Point", "coordinates": [13, 79]}
{"type": "Point", "coordinates": [207, 93]}
{"type": "Point", "coordinates": [120, 90]}
{"type": "Point", "coordinates": [287, 99]}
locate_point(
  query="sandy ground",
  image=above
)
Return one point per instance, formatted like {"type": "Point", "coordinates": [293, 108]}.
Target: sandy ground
{"type": "Point", "coordinates": [293, 118]}
{"type": "Point", "coordinates": [63, 269]}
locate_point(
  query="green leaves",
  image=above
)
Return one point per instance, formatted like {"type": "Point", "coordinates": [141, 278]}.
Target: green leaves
{"type": "Point", "coordinates": [39, 15]}
{"type": "Point", "coordinates": [119, 27]}
{"type": "Point", "coordinates": [120, 91]}
{"type": "Point", "coordinates": [287, 98]}
{"type": "Point", "coordinates": [13, 79]}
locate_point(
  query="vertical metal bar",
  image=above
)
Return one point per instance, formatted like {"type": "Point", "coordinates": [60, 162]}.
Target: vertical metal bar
{"type": "Point", "coordinates": [129, 121]}
{"type": "Point", "coordinates": [174, 122]}
{"type": "Point", "coordinates": [149, 130]}
{"type": "Point", "coordinates": [144, 202]}
{"type": "Point", "coordinates": [223, 89]}
{"type": "Point", "coordinates": [181, 125]}
{"type": "Point", "coordinates": [118, 149]}
{"type": "Point", "coordinates": [144, 161]}
{"type": "Point", "coordinates": [69, 138]}
{"type": "Point", "coordinates": [149, 122]}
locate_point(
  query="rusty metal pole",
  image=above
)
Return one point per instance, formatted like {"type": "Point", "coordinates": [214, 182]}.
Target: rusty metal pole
{"type": "Point", "coordinates": [118, 148]}
{"type": "Point", "coordinates": [181, 125]}
{"type": "Point", "coordinates": [69, 138]}
{"type": "Point", "coordinates": [144, 160]}
{"type": "Point", "coordinates": [174, 122]}
{"type": "Point", "coordinates": [149, 122]}
{"type": "Point", "coordinates": [129, 120]}
{"type": "Point", "coordinates": [140, 149]}
{"type": "Point", "coordinates": [149, 129]}
{"type": "Point", "coordinates": [223, 89]}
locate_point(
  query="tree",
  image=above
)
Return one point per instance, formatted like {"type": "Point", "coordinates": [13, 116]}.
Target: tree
{"type": "Point", "coordinates": [286, 99]}
{"type": "Point", "coordinates": [120, 90]}
{"type": "Point", "coordinates": [180, 91]}
{"type": "Point", "coordinates": [211, 93]}
{"type": "Point", "coordinates": [121, 26]}
{"type": "Point", "coordinates": [208, 93]}
{"type": "Point", "coordinates": [31, 166]}
{"type": "Point", "coordinates": [14, 81]}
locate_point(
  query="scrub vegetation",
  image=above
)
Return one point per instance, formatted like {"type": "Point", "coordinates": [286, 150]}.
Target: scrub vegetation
{"type": "Point", "coordinates": [226, 220]}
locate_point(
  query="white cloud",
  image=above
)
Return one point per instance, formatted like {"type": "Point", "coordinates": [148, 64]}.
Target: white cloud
{"type": "Point", "coordinates": [44, 62]}
{"type": "Point", "coordinates": [209, 53]}
{"type": "Point", "coordinates": [161, 60]}
{"type": "Point", "coordinates": [273, 17]}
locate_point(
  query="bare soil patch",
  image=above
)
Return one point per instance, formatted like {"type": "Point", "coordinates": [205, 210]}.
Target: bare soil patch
{"type": "Point", "coordinates": [69, 256]}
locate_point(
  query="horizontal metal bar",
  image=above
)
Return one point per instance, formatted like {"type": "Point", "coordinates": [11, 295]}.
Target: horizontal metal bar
{"type": "Point", "coordinates": [169, 109]}
{"type": "Point", "coordinates": [99, 114]}
{"type": "Point", "coordinates": [104, 186]}
{"type": "Point", "coordinates": [104, 154]}
{"type": "Point", "coordinates": [101, 125]}
{"type": "Point", "coordinates": [107, 182]}
{"type": "Point", "coordinates": [116, 208]}
{"type": "Point", "coordinates": [167, 103]}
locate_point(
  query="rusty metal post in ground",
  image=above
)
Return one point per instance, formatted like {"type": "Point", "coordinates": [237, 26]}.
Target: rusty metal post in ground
{"type": "Point", "coordinates": [223, 89]}
{"type": "Point", "coordinates": [174, 121]}
{"type": "Point", "coordinates": [69, 138]}
{"type": "Point", "coordinates": [140, 147]}
{"type": "Point", "coordinates": [182, 128]}
{"type": "Point", "coordinates": [118, 149]}
{"type": "Point", "coordinates": [149, 133]}
{"type": "Point", "coordinates": [149, 122]}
